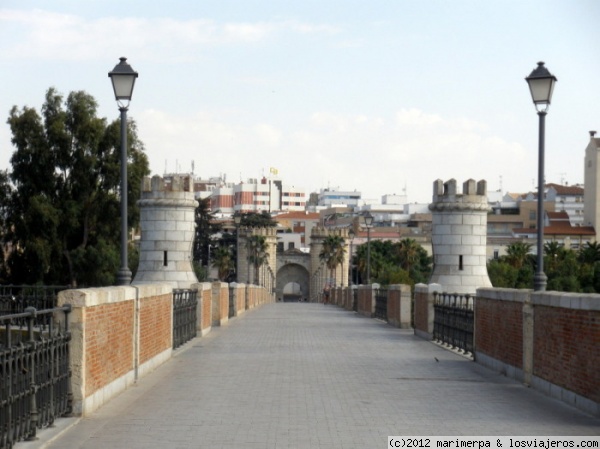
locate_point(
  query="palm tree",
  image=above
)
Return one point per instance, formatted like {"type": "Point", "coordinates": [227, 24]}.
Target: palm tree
{"type": "Point", "coordinates": [332, 253]}
{"type": "Point", "coordinates": [408, 251]}
{"type": "Point", "coordinates": [223, 262]}
{"type": "Point", "coordinates": [518, 253]}
{"type": "Point", "coordinates": [590, 253]}
{"type": "Point", "coordinates": [257, 253]}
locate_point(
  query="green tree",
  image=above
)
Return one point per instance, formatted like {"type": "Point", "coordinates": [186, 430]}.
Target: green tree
{"type": "Point", "coordinates": [502, 274]}
{"type": "Point", "coordinates": [222, 260]}
{"type": "Point", "coordinates": [404, 262]}
{"type": "Point", "coordinates": [332, 253]}
{"type": "Point", "coordinates": [63, 215]}
{"type": "Point", "coordinates": [518, 254]}
{"type": "Point", "coordinates": [257, 253]}
{"type": "Point", "coordinates": [206, 229]}
{"type": "Point", "coordinates": [589, 253]}
{"type": "Point", "coordinates": [257, 220]}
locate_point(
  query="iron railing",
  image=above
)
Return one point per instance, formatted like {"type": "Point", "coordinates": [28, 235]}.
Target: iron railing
{"type": "Point", "coordinates": [231, 305]}
{"type": "Point", "coordinates": [35, 386]}
{"type": "Point", "coordinates": [381, 299]}
{"type": "Point", "coordinates": [16, 298]}
{"type": "Point", "coordinates": [453, 320]}
{"type": "Point", "coordinates": [185, 322]}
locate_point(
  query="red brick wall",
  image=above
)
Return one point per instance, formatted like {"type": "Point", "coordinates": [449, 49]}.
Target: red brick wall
{"type": "Point", "coordinates": [499, 330]}
{"type": "Point", "coordinates": [567, 349]}
{"type": "Point", "coordinates": [421, 311]}
{"type": "Point", "coordinates": [109, 343]}
{"type": "Point", "coordinates": [393, 305]}
{"type": "Point", "coordinates": [156, 326]}
{"type": "Point", "coordinates": [365, 302]}
{"type": "Point", "coordinates": [206, 312]}
{"type": "Point", "coordinates": [224, 299]}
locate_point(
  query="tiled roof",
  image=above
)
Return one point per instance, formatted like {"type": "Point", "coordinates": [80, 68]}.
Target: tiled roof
{"type": "Point", "coordinates": [564, 229]}
{"type": "Point", "coordinates": [566, 190]}
{"type": "Point", "coordinates": [298, 215]}
{"type": "Point", "coordinates": [560, 216]}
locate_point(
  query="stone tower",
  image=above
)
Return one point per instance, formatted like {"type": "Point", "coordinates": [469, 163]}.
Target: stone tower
{"type": "Point", "coordinates": [167, 220]}
{"type": "Point", "coordinates": [591, 179]}
{"type": "Point", "coordinates": [459, 236]}
{"type": "Point", "coordinates": [245, 272]}
{"type": "Point", "coordinates": [320, 274]}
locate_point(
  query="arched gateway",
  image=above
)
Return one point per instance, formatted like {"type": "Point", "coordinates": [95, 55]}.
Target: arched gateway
{"type": "Point", "coordinates": [293, 274]}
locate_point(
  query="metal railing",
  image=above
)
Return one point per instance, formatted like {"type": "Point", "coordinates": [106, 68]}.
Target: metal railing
{"type": "Point", "coordinates": [231, 303]}
{"type": "Point", "coordinates": [381, 299]}
{"type": "Point", "coordinates": [454, 320]}
{"type": "Point", "coordinates": [16, 298]}
{"type": "Point", "coordinates": [35, 386]}
{"type": "Point", "coordinates": [185, 321]}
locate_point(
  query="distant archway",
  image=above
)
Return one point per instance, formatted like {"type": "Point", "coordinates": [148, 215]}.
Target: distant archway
{"type": "Point", "coordinates": [292, 292]}
{"type": "Point", "coordinates": [292, 283]}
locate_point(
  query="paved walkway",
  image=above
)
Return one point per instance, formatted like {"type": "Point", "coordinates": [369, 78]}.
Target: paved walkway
{"type": "Point", "coordinates": [298, 375]}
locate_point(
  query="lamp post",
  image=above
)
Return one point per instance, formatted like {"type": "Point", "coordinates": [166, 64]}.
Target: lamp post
{"type": "Point", "coordinates": [541, 84]}
{"type": "Point", "coordinates": [123, 79]}
{"type": "Point", "coordinates": [237, 219]}
{"type": "Point", "coordinates": [368, 223]}
{"type": "Point", "coordinates": [350, 277]}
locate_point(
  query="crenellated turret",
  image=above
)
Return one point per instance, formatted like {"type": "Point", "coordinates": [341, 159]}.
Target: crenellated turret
{"type": "Point", "coordinates": [167, 221]}
{"type": "Point", "coordinates": [459, 236]}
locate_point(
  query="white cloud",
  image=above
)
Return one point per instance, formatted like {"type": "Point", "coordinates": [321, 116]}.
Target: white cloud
{"type": "Point", "coordinates": [51, 36]}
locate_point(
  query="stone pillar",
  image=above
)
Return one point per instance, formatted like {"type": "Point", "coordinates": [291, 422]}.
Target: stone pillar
{"type": "Point", "coordinates": [167, 221]}
{"type": "Point", "coordinates": [399, 305]}
{"type": "Point", "coordinates": [424, 311]}
{"type": "Point", "coordinates": [459, 236]}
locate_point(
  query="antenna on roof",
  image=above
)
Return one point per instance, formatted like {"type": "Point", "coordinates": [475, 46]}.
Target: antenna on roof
{"type": "Point", "coordinates": [562, 178]}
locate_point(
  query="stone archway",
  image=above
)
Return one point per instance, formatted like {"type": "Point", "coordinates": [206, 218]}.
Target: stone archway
{"type": "Point", "coordinates": [292, 292]}
{"type": "Point", "coordinates": [293, 273]}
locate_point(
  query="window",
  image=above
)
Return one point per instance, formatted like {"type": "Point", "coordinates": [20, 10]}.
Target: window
{"type": "Point", "coordinates": [532, 215]}
{"type": "Point", "coordinates": [460, 262]}
{"type": "Point", "coordinates": [291, 245]}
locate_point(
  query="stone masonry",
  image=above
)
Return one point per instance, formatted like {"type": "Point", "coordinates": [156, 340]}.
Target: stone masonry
{"type": "Point", "coordinates": [459, 236]}
{"type": "Point", "coordinates": [167, 222]}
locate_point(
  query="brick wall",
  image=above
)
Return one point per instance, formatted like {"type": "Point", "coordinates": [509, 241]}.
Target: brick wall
{"type": "Point", "coordinates": [119, 334]}
{"type": "Point", "coordinates": [109, 330]}
{"type": "Point", "coordinates": [499, 325]}
{"type": "Point", "coordinates": [549, 340]}
{"type": "Point", "coordinates": [110, 346]}
{"type": "Point", "coordinates": [566, 349]}
{"type": "Point", "coordinates": [399, 306]}
{"type": "Point", "coordinates": [156, 326]}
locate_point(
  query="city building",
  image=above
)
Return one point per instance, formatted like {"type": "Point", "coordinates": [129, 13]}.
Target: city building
{"type": "Point", "coordinates": [591, 176]}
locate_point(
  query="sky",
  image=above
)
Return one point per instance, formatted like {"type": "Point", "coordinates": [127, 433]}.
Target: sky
{"type": "Point", "coordinates": [382, 97]}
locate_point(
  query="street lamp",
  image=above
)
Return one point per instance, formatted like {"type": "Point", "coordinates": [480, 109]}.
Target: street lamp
{"type": "Point", "coordinates": [237, 219]}
{"type": "Point", "coordinates": [123, 79]}
{"type": "Point", "coordinates": [368, 218]}
{"type": "Point", "coordinates": [541, 84]}
{"type": "Point", "coordinates": [351, 236]}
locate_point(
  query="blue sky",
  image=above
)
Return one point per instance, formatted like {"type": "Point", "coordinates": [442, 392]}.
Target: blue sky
{"type": "Point", "coordinates": [379, 96]}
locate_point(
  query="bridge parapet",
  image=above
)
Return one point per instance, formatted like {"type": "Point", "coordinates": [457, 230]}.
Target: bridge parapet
{"type": "Point", "coordinates": [120, 334]}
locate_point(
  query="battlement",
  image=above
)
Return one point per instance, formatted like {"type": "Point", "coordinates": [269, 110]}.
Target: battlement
{"type": "Point", "coordinates": [322, 232]}
{"type": "Point", "coordinates": [446, 195]}
{"type": "Point", "coordinates": [249, 231]}
{"type": "Point", "coordinates": [177, 183]}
